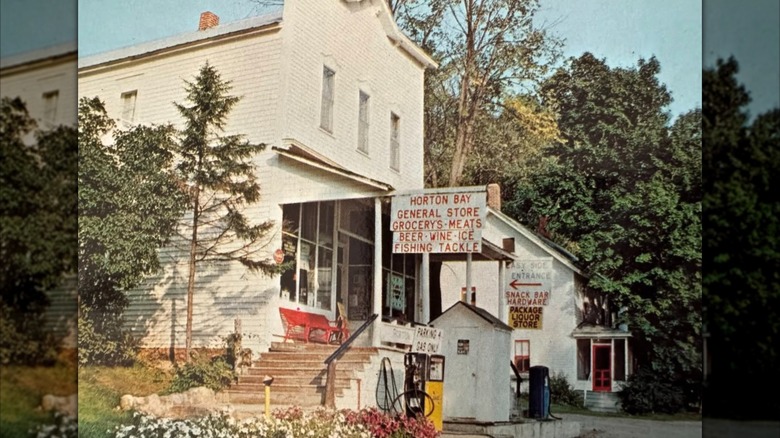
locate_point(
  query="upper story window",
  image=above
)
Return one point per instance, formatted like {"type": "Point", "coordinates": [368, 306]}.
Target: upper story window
{"type": "Point", "coordinates": [395, 142]}
{"type": "Point", "coordinates": [328, 93]}
{"type": "Point", "coordinates": [50, 100]}
{"type": "Point", "coordinates": [128, 106]}
{"type": "Point", "coordinates": [363, 123]}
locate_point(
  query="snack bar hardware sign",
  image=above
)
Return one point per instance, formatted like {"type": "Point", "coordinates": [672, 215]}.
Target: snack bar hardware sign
{"type": "Point", "coordinates": [527, 292]}
{"type": "Point", "coordinates": [438, 222]}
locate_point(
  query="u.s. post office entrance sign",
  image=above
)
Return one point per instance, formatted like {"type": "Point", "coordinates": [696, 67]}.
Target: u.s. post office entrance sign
{"type": "Point", "coordinates": [438, 222]}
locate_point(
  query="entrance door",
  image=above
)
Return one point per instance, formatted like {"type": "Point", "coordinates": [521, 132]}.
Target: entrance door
{"type": "Point", "coordinates": [602, 380]}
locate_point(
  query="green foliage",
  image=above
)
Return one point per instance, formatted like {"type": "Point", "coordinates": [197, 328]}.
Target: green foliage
{"type": "Point", "coordinates": [648, 392]}
{"type": "Point", "coordinates": [23, 339]}
{"type": "Point", "coordinates": [622, 191]}
{"type": "Point", "coordinates": [38, 217]}
{"type": "Point", "coordinates": [213, 373]}
{"type": "Point", "coordinates": [129, 203]}
{"type": "Point", "coordinates": [496, 49]}
{"type": "Point", "coordinates": [741, 283]}
{"type": "Point", "coordinates": [561, 391]}
{"type": "Point", "coordinates": [99, 348]}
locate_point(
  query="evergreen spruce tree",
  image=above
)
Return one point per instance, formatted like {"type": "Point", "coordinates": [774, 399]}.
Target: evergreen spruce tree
{"type": "Point", "coordinates": [220, 175]}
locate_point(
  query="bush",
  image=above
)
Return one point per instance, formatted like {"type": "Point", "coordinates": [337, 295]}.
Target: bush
{"type": "Point", "coordinates": [23, 340]}
{"type": "Point", "coordinates": [115, 348]}
{"type": "Point", "coordinates": [647, 392]}
{"type": "Point", "coordinates": [563, 393]}
{"type": "Point", "coordinates": [213, 373]}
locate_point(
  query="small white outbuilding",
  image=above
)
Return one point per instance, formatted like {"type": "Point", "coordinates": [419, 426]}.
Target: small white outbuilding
{"type": "Point", "coordinates": [476, 346]}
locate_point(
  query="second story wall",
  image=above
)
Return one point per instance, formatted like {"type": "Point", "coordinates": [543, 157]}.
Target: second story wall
{"type": "Point", "coordinates": [142, 89]}
{"type": "Point", "coordinates": [351, 40]}
{"type": "Point", "coordinates": [46, 81]}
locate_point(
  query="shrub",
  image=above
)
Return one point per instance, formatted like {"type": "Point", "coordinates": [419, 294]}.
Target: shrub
{"type": "Point", "coordinates": [647, 392]}
{"type": "Point", "coordinates": [23, 340]}
{"type": "Point", "coordinates": [213, 373]}
{"type": "Point", "coordinates": [96, 347]}
{"type": "Point", "coordinates": [562, 392]}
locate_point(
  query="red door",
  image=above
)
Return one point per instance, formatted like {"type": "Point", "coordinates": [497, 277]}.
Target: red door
{"type": "Point", "coordinates": [602, 374]}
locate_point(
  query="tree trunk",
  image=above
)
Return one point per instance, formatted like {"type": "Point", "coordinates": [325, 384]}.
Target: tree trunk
{"type": "Point", "coordinates": [460, 153]}
{"type": "Point", "coordinates": [191, 280]}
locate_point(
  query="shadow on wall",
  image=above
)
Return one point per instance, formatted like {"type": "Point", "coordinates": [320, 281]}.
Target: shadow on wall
{"type": "Point", "coordinates": [157, 314]}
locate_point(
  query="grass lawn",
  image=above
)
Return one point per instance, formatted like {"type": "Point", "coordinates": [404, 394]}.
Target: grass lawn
{"type": "Point", "coordinates": [100, 389]}
{"type": "Point", "coordinates": [23, 387]}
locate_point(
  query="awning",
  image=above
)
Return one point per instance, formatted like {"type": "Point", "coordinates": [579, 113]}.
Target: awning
{"type": "Point", "coordinates": [590, 331]}
{"type": "Point", "coordinates": [303, 154]}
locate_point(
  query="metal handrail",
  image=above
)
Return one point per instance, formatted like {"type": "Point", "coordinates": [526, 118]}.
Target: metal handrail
{"type": "Point", "coordinates": [330, 377]}
{"type": "Point", "coordinates": [339, 351]}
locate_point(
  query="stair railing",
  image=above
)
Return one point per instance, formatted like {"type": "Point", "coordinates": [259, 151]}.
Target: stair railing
{"type": "Point", "coordinates": [517, 388]}
{"type": "Point", "coordinates": [330, 379]}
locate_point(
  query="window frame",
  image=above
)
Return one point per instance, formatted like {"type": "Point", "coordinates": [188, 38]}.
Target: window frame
{"type": "Point", "coordinates": [327, 99]}
{"type": "Point", "coordinates": [395, 141]}
{"type": "Point", "coordinates": [364, 121]}
{"type": "Point", "coordinates": [51, 101]}
{"type": "Point", "coordinates": [125, 98]}
{"type": "Point", "coordinates": [522, 361]}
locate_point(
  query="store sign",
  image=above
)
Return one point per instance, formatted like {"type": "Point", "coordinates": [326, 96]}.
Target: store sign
{"type": "Point", "coordinates": [528, 290]}
{"type": "Point", "coordinates": [438, 223]}
{"type": "Point", "coordinates": [527, 318]}
{"type": "Point", "coordinates": [427, 340]}
{"type": "Point", "coordinates": [397, 334]}
{"type": "Point", "coordinates": [396, 295]}
{"type": "Point", "coordinates": [529, 282]}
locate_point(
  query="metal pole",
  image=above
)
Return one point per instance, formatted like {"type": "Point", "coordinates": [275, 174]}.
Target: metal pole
{"type": "Point", "coordinates": [468, 275]}
{"type": "Point", "coordinates": [425, 279]}
{"type": "Point", "coordinates": [377, 290]}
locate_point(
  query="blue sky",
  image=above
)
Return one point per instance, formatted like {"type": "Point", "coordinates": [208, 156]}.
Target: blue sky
{"type": "Point", "coordinates": [749, 30]}
{"type": "Point", "coordinates": [27, 25]}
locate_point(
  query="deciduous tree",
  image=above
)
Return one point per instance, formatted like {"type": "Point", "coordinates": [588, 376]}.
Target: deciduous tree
{"type": "Point", "coordinates": [623, 192]}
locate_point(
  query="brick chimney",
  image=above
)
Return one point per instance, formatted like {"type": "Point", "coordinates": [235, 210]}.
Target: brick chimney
{"type": "Point", "coordinates": [494, 196]}
{"type": "Point", "coordinates": [207, 20]}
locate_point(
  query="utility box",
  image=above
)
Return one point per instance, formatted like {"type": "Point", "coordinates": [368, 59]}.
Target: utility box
{"type": "Point", "coordinates": [477, 349]}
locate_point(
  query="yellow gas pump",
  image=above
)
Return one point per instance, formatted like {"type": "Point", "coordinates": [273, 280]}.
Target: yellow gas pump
{"type": "Point", "coordinates": [424, 386]}
{"type": "Point", "coordinates": [435, 388]}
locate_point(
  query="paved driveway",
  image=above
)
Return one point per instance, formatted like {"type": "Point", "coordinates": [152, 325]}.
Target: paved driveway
{"type": "Point", "coordinates": [615, 427]}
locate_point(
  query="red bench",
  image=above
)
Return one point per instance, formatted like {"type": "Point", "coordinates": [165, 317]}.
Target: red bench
{"type": "Point", "coordinates": [306, 326]}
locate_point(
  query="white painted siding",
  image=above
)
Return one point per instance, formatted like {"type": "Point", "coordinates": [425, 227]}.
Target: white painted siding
{"type": "Point", "coordinates": [278, 74]}
{"type": "Point", "coordinates": [31, 82]}
{"type": "Point", "coordinates": [349, 39]}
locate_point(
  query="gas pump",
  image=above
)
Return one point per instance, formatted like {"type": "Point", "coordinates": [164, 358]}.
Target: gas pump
{"type": "Point", "coordinates": [424, 386]}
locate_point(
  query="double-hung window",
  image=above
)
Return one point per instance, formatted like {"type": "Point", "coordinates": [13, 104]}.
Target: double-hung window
{"type": "Point", "coordinates": [50, 100]}
{"type": "Point", "coordinates": [328, 93]}
{"type": "Point", "coordinates": [128, 107]}
{"type": "Point", "coordinates": [363, 123]}
{"type": "Point", "coordinates": [522, 355]}
{"type": "Point", "coordinates": [395, 142]}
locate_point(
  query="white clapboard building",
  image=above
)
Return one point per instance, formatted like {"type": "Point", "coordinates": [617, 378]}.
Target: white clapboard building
{"type": "Point", "coordinates": [335, 90]}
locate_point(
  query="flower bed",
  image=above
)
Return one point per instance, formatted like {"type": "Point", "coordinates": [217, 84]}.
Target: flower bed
{"type": "Point", "coordinates": [289, 423]}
